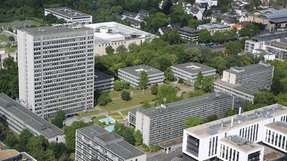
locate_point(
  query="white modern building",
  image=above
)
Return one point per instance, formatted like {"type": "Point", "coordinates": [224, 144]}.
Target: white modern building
{"type": "Point", "coordinates": [56, 69]}
{"type": "Point", "coordinates": [132, 75]}
{"type": "Point", "coordinates": [96, 143]}
{"type": "Point", "coordinates": [239, 137]}
{"type": "Point", "coordinates": [113, 34]}
{"type": "Point", "coordinates": [207, 3]}
{"type": "Point", "coordinates": [190, 71]}
{"type": "Point", "coordinates": [69, 15]}
{"type": "Point", "coordinates": [244, 82]}
{"type": "Point", "coordinates": [20, 118]}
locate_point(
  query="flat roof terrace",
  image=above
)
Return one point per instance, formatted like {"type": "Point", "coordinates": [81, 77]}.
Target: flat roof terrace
{"type": "Point", "coordinates": [68, 12]}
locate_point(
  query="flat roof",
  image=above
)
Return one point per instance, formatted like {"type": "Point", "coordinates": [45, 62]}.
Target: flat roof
{"type": "Point", "coordinates": [249, 69]}
{"type": "Point", "coordinates": [111, 141]}
{"type": "Point", "coordinates": [137, 69]}
{"type": "Point", "coordinates": [28, 118]}
{"type": "Point", "coordinates": [8, 154]}
{"type": "Point", "coordinates": [246, 118]}
{"type": "Point", "coordinates": [194, 68]}
{"type": "Point", "coordinates": [278, 126]}
{"type": "Point", "coordinates": [270, 36]}
{"type": "Point", "coordinates": [180, 105]}
{"type": "Point", "coordinates": [68, 12]}
{"type": "Point", "coordinates": [210, 26]}
{"type": "Point", "coordinates": [108, 31]}
{"type": "Point", "coordinates": [55, 30]}
{"type": "Point", "coordinates": [241, 143]}
{"type": "Point", "coordinates": [102, 76]}
{"type": "Point", "coordinates": [245, 88]}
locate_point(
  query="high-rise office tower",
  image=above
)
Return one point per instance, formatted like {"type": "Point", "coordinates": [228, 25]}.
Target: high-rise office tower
{"type": "Point", "coordinates": [56, 69]}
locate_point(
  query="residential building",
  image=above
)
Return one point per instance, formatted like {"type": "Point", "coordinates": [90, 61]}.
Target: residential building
{"type": "Point", "coordinates": [114, 34]}
{"type": "Point", "coordinates": [69, 15]}
{"type": "Point", "coordinates": [194, 10]}
{"type": "Point", "coordinates": [20, 118]}
{"type": "Point", "coordinates": [244, 82]}
{"type": "Point", "coordinates": [206, 3]}
{"type": "Point", "coordinates": [188, 34]}
{"type": "Point", "coordinates": [95, 143]}
{"type": "Point", "coordinates": [14, 155]}
{"type": "Point", "coordinates": [103, 81]}
{"type": "Point", "coordinates": [212, 28]}
{"type": "Point", "coordinates": [238, 137]}
{"type": "Point", "coordinates": [132, 75]}
{"type": "Point", "coordinates": [189, 71]}
{"type": "Point", "coordinates": [166, 122]}
{"type": "Point", "coordinates": [56, 69]}
{"type": "Point", "coordinates": [135, 20]}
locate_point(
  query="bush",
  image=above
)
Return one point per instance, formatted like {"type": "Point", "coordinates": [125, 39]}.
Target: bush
{"type": "Point", "coordinates": [104, 99]}
{"type": "Point", "coordinates": [118, 85]}
{"type": "Point", "coordinates": [125, 95]}
{"type": "Point", "coordinates": [154, 89]}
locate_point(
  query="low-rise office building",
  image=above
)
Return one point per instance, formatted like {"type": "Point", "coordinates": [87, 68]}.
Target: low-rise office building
{"type": "Point", "coordinates": [103, 81]}
{"type": "Point", "coordinates": [69, 15]}
{"type": "Point", "coordinates": [237, 137]}
{"type": "Point", "coordinates": [190, 71]}
{"type": "Point", "coordinates": [212, 28]}
{"type": "Point", "coordinates": [166, 122]}
{"type": "Point", "coordinates": [113, 34]}
{"type": "Point", "coordinates": [132, 75]}
{"type": "Point", "coordinates": [19, 118]}
{"type": "Point", "coordinates": [95, 143]}
{"type": "Point", "coordinates": [14, 155]}
{"type": "Point", "coordinates": [188, 34]}
{"type": "Point", "coordinates": [244, 82]}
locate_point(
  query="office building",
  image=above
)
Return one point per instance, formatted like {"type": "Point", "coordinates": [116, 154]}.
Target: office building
{"type": "Point", "coordinates": [20, 118]}
{"type": "Point", "coordinates": [166, 122]}
{"type": "Point", "coordinates": [212, 27]}
{"type": "Point", "coordinates": [189, 71]}
{"type": "Point", "coordinates": [69, 15]}
{"type": "Point", "coordinates": [103, 81]}
{"type": "Point", "coordinates": [239, 137]}
{"type": "Point", "coordinates": [95, 143]}
{"type": "Point", "coordinates": [271, 46]}
{"type": "Point", "coordinates": [132, 75]}
{"type": "Point", "coordinates": [188, 34]}
{"type": "Point", "coordinates": [113, 34]}
{"type": "Point", "coordinates": [56, 69]}
{"type": "Point", "coordinates": [244, 82]}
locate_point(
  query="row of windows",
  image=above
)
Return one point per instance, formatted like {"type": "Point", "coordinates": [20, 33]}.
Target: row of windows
{"type": "Point", "coordinates": [250, 133]}
{"type": "Point", "coordinates": [276, 139]}
{"type": "Point", "coordinates": [212, 150]}
{"type": "Point", "coordinates": [228, 153]}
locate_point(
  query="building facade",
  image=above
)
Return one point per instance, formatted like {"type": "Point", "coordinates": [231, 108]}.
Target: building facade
{"type": "Point", "coordinates": [132, 75]}
{"type": "Point", "coordinates": [56, 69]}
{"type": "Point", "coordinates": [166, 122]}
{"type": "Point", "coordinates": [190, 71]}
{"type": "Point", "coordinates": [69, 15]}
{"type": "Point", "coordinates": [236, 138]}
{"type": "Point", "coordinates": [95, 143]}
{"type": "Point", "coordinates": [20, 118]}
{"type": "Point", "coordinates": [244, 82]}
{"type": "Point", "coordinates": [103, 81]}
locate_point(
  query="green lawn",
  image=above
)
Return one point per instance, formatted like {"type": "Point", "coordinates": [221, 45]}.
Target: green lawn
{"type": "Point", "coordinates": [138, 98]}
{"type": "Point", "coordinates": [116, 116]}
{"type": "Point", "coordinates": [3, 37]}
{"type": "Point", "coordinates": [29, 22]}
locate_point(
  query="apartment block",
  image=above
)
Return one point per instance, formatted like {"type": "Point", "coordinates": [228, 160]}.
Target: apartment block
{"type": "Point", "coordinates": [166, 122]}
{"type": "Point", "coordinates": [20, 118]}
{"type": "Point", "coordinates": [190, 71]}
{"type": "Point", "coordinates": [132, 75]}
{"type": "Point", "coordinates": [241, 137]}
{"type": "Point", "coordinates": [95, 143]}
{"type": "Point", "coordinates": [113, 34]}
{"type": "Point", "coordinates": [103, 81]}
{"type": "Point", "coordinates": [69, 15]}
{"type": "Point", "coordinates": [56, 69]}
{"type": "Point", "coordinates": [244, 82]}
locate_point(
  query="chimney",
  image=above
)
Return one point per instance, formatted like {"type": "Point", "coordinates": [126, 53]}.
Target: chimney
{"type": "Point", "coordinates": [231, 124]}
{"type": "Point", "coordinates": [239, 111]}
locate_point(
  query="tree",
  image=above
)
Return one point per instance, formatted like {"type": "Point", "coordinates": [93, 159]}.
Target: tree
{"type": "Point", "coordinates": [282, 99]}
{"type": "Point", "coordinates": [167, 94]}
{"type": "Point", "coordinates": [198, 84]}
{"type": "Point", "coordinates": [138, 138]}
{"type": "Point", "coordinates": [264, 97]}
{"type": "Point", "coordinates": [154, 89]}
{"type": "Point", "coordinates": [193, 55]}
{"type": "Point", "coordinates": [193, 121]}
{"type": "Point", "coordinates": [169, 75]}
{"type": "Point", "coordinates": [125, 95]}
{"type": "Point", "coordinates": [9, 78]}
{"type": "Point", "coordinates": [143, 80]}
{"type": "Point", "coordinates": [204, 36]}
{"type": "Point", "coordinates": [172, 37]}
{"type": "Point", "coordinates": [193, 23]}
{"type": "Point", "coordinates": [24, 137]}
{"type": "Point", "coordinates": [104, 99]}
{"type": "Point", "coordinates": [126, 132]}
{"type": "Point", "coordinates": [118, 85]}
{"type": "Point", "coordinates": [212, 117]}
{"type": "Point", "coordinates": [155, 21]}
{"type": "Point", "coordinates": [110, 50]}
{"type": "Point", "coordinates": [70, 132]}
{"type": "Point", "coordinates": [121, 49]}
{"type": "Point", "coordinates": [59, 118]}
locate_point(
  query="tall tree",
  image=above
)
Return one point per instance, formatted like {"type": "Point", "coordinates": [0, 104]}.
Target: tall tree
{"type": "Point", "coordinates": [143, 80]}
